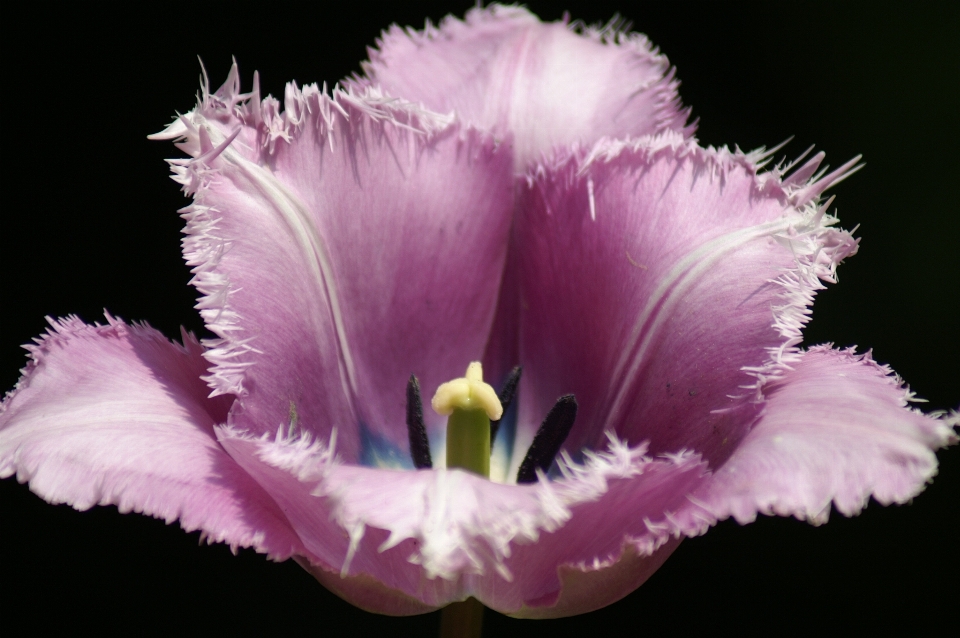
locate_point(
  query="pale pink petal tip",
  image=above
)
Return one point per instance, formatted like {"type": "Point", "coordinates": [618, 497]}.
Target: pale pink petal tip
{"type": "Point", "coordinates": [117, 415]}
{"type": "Point", "coordinates": [548, 84]}
{"type": "Point", "coordinates": [837, 430]}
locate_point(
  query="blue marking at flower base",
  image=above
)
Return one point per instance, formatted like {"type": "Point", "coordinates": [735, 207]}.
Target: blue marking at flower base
{"type": "Point", "coordinates": [378, 451]}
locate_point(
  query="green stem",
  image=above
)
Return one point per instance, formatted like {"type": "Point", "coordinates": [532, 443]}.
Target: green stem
{"type": "Point", "coordinates": [462, 620]}
{"type": "Point", "coordinates": [468, 448]}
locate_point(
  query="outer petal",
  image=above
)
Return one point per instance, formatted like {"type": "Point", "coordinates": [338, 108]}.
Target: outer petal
{"type": "Point", "coordinates": [342, 245]}
{"type": "Point", "coordinates": [502, 69]}
{"type": "Point", "coordinates": [613, 541]}
{"type": "Point", "coordinates": [407, 542]}
{"type": "Point", "coordinates": [118, 415]}
{"type": "Point", "coordinates": [835, 429]}
{"type": "Point", "coordinates": [661, 283]}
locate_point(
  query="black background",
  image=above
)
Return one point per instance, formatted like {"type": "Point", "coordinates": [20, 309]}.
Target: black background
{"type": "Point", "coordinates": [89, 223]}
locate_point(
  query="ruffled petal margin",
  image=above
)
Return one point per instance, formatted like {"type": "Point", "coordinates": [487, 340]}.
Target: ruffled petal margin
{"type": "Point", "coordinates": [386, 539]}
{"type": "Point", "coordinates": [546, 84]}
{"type": "Point", "coordinates": [118, 415]}
{"type": "Point", "coordinates": [836, 430]}
{"type": "Point", "coordinates": [341, 244]}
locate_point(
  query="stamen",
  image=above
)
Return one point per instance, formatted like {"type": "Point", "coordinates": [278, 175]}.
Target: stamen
{"type": "Point", "coordinates": [506, 395]}
{"type": "Point", "coordinates": [549, 439]}
{"type": "Point", "coordinates": [416, 430]}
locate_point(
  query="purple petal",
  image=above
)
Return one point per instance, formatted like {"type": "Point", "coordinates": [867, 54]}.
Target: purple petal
{"type": "Point", "coordinates": [343, 554]}
{"type": "Point", "coordinates": [621, 529]}
{"type": "Point", "coordinates": [341, 245]}
{"type": "Point", "coordinates": [433, 537]}
{"type": "Point", "coordinates": [661, 284]}
{"type": "Point", "coordinates": [835, 429]}
{"type": "Point", "coordinates": [118, 415]}
{"type": "Point", "coordinates": [590, 586]}
{"type": "Point", "coordinates": [547, 84]}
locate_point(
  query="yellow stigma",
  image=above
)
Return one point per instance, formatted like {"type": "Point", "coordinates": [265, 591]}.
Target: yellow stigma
{"type": "Point", "coordinates": [468, 393]}
{"type": "Point", "coordinates": [469, 405]}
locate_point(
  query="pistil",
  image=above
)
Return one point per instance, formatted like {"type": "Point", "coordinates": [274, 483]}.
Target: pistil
{"type": "Point", "coordinates": [470, 405]}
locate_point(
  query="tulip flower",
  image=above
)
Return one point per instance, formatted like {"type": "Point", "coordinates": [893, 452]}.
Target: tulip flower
{"type": "Point", "coordinates": [467, 201]}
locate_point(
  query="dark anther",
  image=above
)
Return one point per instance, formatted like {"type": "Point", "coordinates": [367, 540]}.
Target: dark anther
{"type": "Point", "coordinates": [549, 439]}
{"type": "Point", "coordinates": [507, 392]}
{"type": "Point", "coordinates": [419, 444]}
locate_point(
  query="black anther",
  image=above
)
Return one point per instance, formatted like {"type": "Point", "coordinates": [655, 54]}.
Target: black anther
{"type": "Point", "coordinates": [419, 444]}
{"type": "Point", "coordinates": [507, 392]}
{"type": "Point", "coordinates": [549, 439]}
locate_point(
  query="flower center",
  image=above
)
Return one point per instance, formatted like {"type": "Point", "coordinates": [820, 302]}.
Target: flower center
{"type": "Point", "coordinates": [473, 410]}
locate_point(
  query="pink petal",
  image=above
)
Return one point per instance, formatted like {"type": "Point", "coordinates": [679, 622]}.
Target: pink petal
{"type": "Point", "coordinates": [590, 586]}
{"type": "Point", "coordinates": [406, 542]}
{"type": "Point", "coordinates": [547, 84]}
{"type": "Point", "coordinates": [118, 415]}
{"type": "Point", "coordinates": [661, 284]}
{"type": "Point", "coordinates": [341, 245]}
{"type": "Point", "coordinates": [835, 429]}
{"type": "Point", "coordinates": [345, 559]}
{"type": "Point", "coordinates": [613, 541]}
